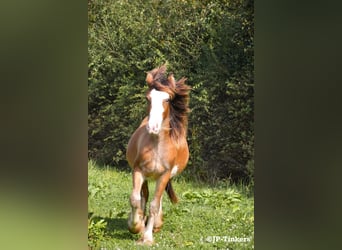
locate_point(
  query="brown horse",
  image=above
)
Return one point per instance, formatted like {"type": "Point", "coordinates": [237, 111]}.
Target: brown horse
{"type": "Point", "coordinates": [158, 150]}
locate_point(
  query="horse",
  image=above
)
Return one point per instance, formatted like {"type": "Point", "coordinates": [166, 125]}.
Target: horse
{"type": "Point", "coordinates": [158, 150]}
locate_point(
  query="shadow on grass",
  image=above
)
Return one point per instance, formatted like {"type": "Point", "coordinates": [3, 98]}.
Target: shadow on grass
{"type": "Point", "coordinates": [116, 227]}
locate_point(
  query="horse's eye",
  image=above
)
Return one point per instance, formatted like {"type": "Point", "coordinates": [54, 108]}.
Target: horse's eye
{"type": "Point", "coordinates": [167, 100]}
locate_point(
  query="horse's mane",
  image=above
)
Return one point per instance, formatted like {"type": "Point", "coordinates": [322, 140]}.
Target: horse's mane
{"type": "Point", "coordinates": [179, 99]}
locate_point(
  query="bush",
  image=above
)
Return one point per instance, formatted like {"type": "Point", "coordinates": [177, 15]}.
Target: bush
{"type": "Point", "coordinates": [209, 42]}
{"type": "Point", "coordinates": [96, 231]}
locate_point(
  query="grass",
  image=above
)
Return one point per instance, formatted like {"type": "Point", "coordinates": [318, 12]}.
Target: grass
{"type": "Point", "coordinates": [205, 218]}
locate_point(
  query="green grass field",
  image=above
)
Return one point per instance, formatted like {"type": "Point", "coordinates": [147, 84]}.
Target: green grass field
{"type": "Point", "coordinates": [206, 217]}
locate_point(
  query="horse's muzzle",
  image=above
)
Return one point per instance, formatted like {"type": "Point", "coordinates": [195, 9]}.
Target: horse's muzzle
{"type": "Point", "coordinates": [153, 129]}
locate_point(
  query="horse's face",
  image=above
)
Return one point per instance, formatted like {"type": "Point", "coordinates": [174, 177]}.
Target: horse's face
{"type": "Point", "coordinates": [158, 110]}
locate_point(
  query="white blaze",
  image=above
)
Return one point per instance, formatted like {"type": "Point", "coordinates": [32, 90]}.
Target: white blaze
{"type": "Point", "coordinates": [157, 109]}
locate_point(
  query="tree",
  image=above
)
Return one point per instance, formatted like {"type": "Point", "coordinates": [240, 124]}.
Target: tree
{"type": "Point", "coordinates": [209, 42]}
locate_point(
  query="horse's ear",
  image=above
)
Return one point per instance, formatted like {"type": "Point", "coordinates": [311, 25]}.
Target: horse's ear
{"type": "Point", "coordinates": [149, 79]}
{"type": "Point", "coordinates": [172, 81]}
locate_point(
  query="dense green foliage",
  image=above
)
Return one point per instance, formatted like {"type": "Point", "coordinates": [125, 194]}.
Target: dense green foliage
{"type": "Point", "coordinates": [209, 42]}
{"type": "Point", "coordinates": [223, 210]}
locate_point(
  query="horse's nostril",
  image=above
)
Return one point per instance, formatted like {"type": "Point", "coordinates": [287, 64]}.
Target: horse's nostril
{"type": "Point", "coordinates": [154, 129]}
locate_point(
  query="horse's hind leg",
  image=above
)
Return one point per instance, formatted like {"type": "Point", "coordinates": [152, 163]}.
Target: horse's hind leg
{"type": "Point", "coordinates": [144, 197]}
{"type": "Point", "coordinates": [136, 223]}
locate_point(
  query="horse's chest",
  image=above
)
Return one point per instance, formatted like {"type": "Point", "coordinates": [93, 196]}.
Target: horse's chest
{"type": "Point", "coordinates": [156, 161]}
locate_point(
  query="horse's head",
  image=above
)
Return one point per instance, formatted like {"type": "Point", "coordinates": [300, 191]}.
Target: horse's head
{"type": "Point", "coordinates": [159, 96]}
{"type": "Point", "coordinates": [158, 110]}
{"type": "Point", "coordinates": [168, 101]}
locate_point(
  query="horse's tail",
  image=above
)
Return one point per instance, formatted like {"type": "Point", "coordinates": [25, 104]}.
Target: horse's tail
{"type": "Point", "coordinates": [171, 193]}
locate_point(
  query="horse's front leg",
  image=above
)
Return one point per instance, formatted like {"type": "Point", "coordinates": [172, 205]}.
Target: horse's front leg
{"type": "Point", "coordinates": [158, 220]}
{"type": "Point", "coordinates": [136, 222]}
{"type": "Point", "coordinates": [155, 214]}
{"type": "Point", "coordinates": [144, 198]}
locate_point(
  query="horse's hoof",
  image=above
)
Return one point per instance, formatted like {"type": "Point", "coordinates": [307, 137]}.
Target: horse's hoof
{"type": "Point", "coordinates": [144, 242]}
{"type": "Point", "coordinates": [134, 230]}
{"type": "Point", "coordinates": [156, 229]}
{"type": "Point", "coordinates": [137, 227]}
